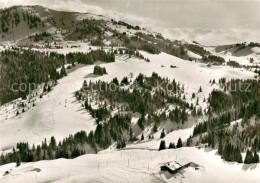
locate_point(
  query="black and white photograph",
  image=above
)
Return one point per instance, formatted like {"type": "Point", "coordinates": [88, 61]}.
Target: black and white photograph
{"type": "Point", "coordinates": [129, 91]}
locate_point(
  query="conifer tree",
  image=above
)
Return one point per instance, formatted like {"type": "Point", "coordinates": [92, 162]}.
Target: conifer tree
{"type": "Point", "coordinates": [249, 157]}
{"type": "Point", "coordinates": [155, 128]}
{"type": "Point", "coordinates": [200, 90]}
{"type": "Point", "coordinates": [237, 155]}
{"type": "Point", "coordinates": [162, 145]}
{"type": "Point", "coordinates": [171, 145]}
{"type": "Point", "coordinates": [189, 141]}
{"type": "Point", "coordinates": [256, 157]}
{"type": "Point", "coordinates": [142, 138]}
{"type": "Point", "coordinates": [179, 143]}
{"type": "Point", "coordinates": [123, 143]}
{"type": "Point", "coordinates": [162, 134]}
{"type": "Point", "coordinates": [118, 146]}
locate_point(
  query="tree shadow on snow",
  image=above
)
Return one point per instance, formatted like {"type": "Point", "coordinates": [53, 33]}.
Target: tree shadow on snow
{"type": "Point", "coordinates": [91, 75]}
{"type": "Point", "coordinates": [208, 149]}
{"type": "Point", "coordinates": [249, 166]}
{"type": "Point", "coordinates": [81, 109]}
{"type": "Point", "coordinates": [75, 68]}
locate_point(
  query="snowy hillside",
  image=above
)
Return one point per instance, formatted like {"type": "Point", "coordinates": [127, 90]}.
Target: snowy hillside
{"type": "Point", "coordinates": [47, 118]}
{"type": "Point", "coordinates": [133, 166]}
{"type": "Point", "coordinates": [66, 128]}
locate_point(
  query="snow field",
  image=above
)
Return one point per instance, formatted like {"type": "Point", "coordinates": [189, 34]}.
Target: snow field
{"type": "Point", "coordinates": [133, 166]}
{"type": "Point", "coordinates": [59, 114]}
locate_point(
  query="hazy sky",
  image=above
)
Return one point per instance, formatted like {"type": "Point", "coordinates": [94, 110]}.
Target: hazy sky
{"type": "Point", "coordinates": [205, 21]}
{"type": "Point", "coordinates": [192, 13]}
{"type": "Point", "coordinates": [170, 13]}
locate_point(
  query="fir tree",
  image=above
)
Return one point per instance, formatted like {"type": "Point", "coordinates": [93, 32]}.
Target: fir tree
{"type": "Point", "coordinates": [155, 128]}
{"type": "Point", "coordinates": [118, 146]}
{"type": "Point", "coordinates": [162, 145]}
{"type": "Point", "coordinates": [171, 145]}
{"type": "Point", "coordinates": [189, 141]}
{"type": "Point", "coordinates": [123, 144]}
{"type": "Point", "coordinates": [142, 138]}
{"type": "Point", "coordinates": [200, 90]}
{"type": "Point", "coordinates": [256, 157]}
{"type": "Point", "coordinates": [238, 156]}
{"type": "Point", "coordinates": [249, 157]}
{"type": "Point", "coordinates": [125, 81]}
{"type": "Point", "coordinates": [179, 143]}
{"type": "Point", "coordinates": [162, 134]}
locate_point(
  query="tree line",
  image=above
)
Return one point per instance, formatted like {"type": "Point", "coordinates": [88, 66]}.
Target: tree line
{"type": "Point", "coordinates": [74, 145]}
{"type": "Point", "coordinates": [21, 66]}
{"type": "Point", "coordinates": [240, 106]}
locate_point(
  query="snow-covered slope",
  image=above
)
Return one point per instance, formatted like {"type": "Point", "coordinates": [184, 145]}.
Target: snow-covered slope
{"type": "Point", "coordinates": [59, 114]}
{"type": "Point", "coordinates": [249, 56]}
{"type": "Point", "coordinates": [133, 166]}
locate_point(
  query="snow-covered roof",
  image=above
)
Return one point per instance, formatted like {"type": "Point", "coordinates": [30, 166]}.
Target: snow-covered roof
{"type": "Point", "coordinates": [173, 165]}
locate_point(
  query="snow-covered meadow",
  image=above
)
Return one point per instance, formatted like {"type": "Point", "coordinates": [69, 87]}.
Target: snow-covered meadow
{"type": "Point", "coordinates": [136, 165]}
{"type": "Point", "coordinates": [59, 114]}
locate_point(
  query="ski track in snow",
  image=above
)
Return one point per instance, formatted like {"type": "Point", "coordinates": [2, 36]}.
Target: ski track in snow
{"type": "Point", "coordinates": [59, 114]}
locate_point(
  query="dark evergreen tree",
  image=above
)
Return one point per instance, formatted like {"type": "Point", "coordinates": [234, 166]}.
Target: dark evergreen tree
{"type": "Point", "coordinates": [172, 145]}
{"type": "Point", "coordinates": [125, 81]}
{"type": "Point", "coordinates": [142, 138]}
{"type": "Point", "coordinates": [162, 145]}
{"type": "Point", "coordinates": [256, 157]}
{"type": "Point", "coordinates": [179, 143]}
{"type": "Point", "coordinates": [162, 134]}
{"type": "Point", "coordinates": [155, 128]}
{"type": "Point", "coordinates": [99, 70]}
{"type": "Point", "coordinates": [200, 90]}
{"type": "Point", "coordinates": [189, 141]}
{"type": "Point", "coordinates": [249, 157]}
{"type": "Point", "coordinates": [115, 81]}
